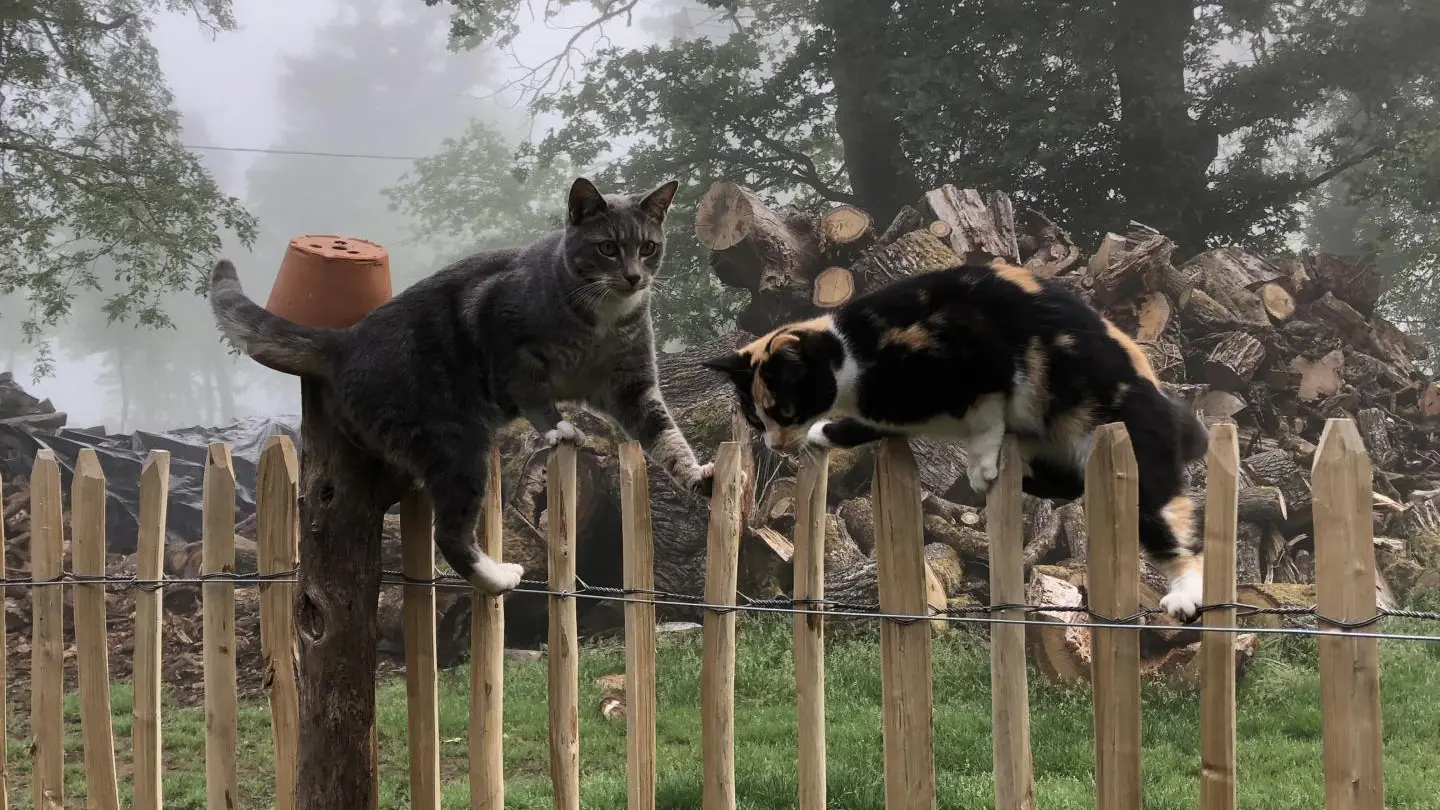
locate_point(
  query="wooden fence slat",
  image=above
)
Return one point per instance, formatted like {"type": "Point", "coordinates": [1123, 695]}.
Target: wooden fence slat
{"type": "Point", "coordinates": [217, 555]}
{"type": "Point", "coordinates": [562, 655]}
{"type": "Point", "coordinates": [277, 526]}
{"type": "Point", "coordinates": [638, 550]}
{"type": "Point", "coordinates": [811, 488]}
{"type": "Point", "coordinates": [417, 549]}
{"type": "Point", "coordinates": [1345, 591]}
{"type": "Point", "coordinates": [717, 666]}
{"type": "Point", "coordinates": [87, 546]}
{"type": "Point", "coordinates": [1009, 682]}
{"type": "Point", "coordinates": [4, 665]}
{"type": "Point", "coordinates": [1112, 496]}
{"type": "Point", "coordinates": [149, 613]}
{"type": "Point", "coordinates": [487, 656]}
{"type": "Point", "coordinates": [1217, 650]}
{"type": "Point", "coordinates": [905, 675]}
{"type": "Point", "coordinates": [47, 711]}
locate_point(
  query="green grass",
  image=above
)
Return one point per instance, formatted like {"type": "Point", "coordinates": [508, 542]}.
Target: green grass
{"type": "Point", "coordinates": [1279, 732]}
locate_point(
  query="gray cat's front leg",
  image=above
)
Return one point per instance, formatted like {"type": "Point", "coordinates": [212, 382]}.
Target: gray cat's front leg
{"type": "Point", "coordinates": [640, 410]}
{"type": "Point", "coordinates": [552, 426]}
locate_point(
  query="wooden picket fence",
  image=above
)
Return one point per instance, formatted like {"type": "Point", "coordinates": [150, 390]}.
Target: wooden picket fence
{"type": "Point", "coordinates": [1349, 666]}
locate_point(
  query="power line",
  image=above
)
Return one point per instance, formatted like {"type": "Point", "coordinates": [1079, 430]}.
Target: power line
{"type": "Point", "coordinates": [302, 152]}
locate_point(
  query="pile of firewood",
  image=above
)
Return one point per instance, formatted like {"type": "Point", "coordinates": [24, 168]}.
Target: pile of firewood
{"type": "Point", "coordinates": [19, 409]}
{"type": "Point", "coordinates": [1275, 345]}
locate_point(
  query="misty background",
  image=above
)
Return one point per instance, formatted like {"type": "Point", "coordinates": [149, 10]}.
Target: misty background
{"type": "Point", "coordinates": [440, 129]}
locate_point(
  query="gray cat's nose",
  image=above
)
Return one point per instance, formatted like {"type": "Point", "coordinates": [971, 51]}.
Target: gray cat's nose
{"type": "Point", "coordinates": [633, 278]}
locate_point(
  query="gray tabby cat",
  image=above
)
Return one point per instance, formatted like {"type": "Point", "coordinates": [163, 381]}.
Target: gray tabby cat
{"type": "Point", "coordinates": [425, 379]}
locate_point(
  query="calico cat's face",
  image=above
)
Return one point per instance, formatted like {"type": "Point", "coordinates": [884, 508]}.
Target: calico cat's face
{"type": "Point", "coordinates": [615, 243]}
{"type": "Point", "coordinates": [784, 381]}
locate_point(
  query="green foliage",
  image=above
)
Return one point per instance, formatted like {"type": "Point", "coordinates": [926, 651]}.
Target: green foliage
{"type": "Point", "coordinates": [1211, 120]}
{"type": "Point", "coordinates": [91, 165]}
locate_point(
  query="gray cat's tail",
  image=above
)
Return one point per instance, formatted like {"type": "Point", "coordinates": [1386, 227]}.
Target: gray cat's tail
{"type": "Point", "coordinates": [269, 339]}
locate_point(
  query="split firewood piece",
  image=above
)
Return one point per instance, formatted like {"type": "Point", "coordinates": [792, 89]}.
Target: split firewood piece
{"type": "Point", "coordinates": [1233, 362]}
{"type": "Point", "coordinates": [1220, 404]}
{"type": "Point", "coordinates": [753, 246]}
{"type": "Point", "coordinates": [1152, 316]}
{"type": "Point", "coordinates": [1330, 310]}
{"type": "Point", "coordinates": [1430, 401]}
{"type": "Point", "coordinates": [1228, 276]}
{"type": "Point", "coordinates": [1319, 377]}
{"type": "Point", "coordinates": [1073, 528]}
{"type": "Point", "coordinates": [1260, 505]}
{"type": "Point", "coordinates": [983, 224]}
{"type": "Point", "coordinates": [1138, 262]}
{"type": "Point", "coordinates": [1042, 528]}
{"type": "Point", "coordinates": [1374, 428]}
{"type": "Point", "coordinates": [1045, 247]}
{"type": "Point", "coordinates": [1060, 649]}
{"type": "Point", "coordinates": [1393, 346]}
{"type": "Point", "coordinates": [833, 287]}
{"type": "Point", "coordinates": [907, 219]}
{"type": "Point", "coordinates": [1204, 315]}
{"type": "Point", "coordinates": [1356, 280]}
{"type": "Point", "coordinates": [948, 569]}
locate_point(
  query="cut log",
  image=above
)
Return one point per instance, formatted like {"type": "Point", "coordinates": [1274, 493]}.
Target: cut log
{"type": "Point", "coordinates": [1260, 505]}
{"type": "Point", "coordinates": [1374, 428]}
{"type": "Point", "coordinates": [1275, 468]}
{"type": "Point", "coordinates": [1143, 266]}
{"type": "Point", "coordinates": [907, 219]}
{"type": "Point", "coordinates": [915, 252]}
{"type": "Point", "coordinates": [612, 696]}
{"type": "Point", "coordinates": [940, 230]}
{"type": "Point", "coordinates": [982, 226]}
{"type": "Point", "coordinates": [1249, 539]}
{"type": "Point", "coordinates": [1224, 278]}
{"type": "Point", "coordinates": [1073, 528]}
{"type": "Point", "coordinates": [1430, 401]}
{"type": "Point", "coordinates": [1233, 267]}
{"type": "Point", "coordinates": [1356, 280]}
{"type": "Point", "coordinates": [1060, 650]}
{"type": "Point", "coordinates": [1392, 345]}
{"type": "Point", "coordinates": [1319, 377]}
{"type": "Point", "coordinates": [947, 567]}
{"type": "Point", "coordinates": [1152, 316]}
{"type": "Point", "coordinates": [967, 542]}
{"type": "Point", "coordinates": [1279, 303]}
{"type": "Point", "coordinates": [833, 287]}
{"type": "Point", "coordinates": [754, 247]}
{"type": "Point", "coordinates": [1042, 530]}
{"type": "Point", "coordinates": [1234, 361]}
{"type": "Point", "coordinates": [1335, 313]}
{"type": "Point", "coordinates": [845, 231]}
{"type": "Point", "coordinates": [859, 518]}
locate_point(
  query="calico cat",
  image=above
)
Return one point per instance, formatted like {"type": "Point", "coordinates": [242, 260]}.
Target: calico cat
{"type": "Point", "coordinates": [970, 353]}
{"type": "Point", "coordinates": [426, 378]}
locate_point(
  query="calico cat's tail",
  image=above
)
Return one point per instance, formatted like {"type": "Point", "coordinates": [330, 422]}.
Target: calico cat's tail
{"type": "Point", "coordinates": [269, 339]}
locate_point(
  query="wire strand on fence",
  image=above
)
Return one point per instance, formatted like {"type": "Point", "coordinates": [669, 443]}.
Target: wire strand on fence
{"type": "Point", "coordinates": [965, 614]}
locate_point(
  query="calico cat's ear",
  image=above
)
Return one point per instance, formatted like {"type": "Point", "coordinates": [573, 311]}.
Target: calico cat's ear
{"type": "Point", "coordinates": [733, 363]}
{"type": "Point", "coordinates": [657, 202]}
{"type": "Point", "coordinates": [585, 201]}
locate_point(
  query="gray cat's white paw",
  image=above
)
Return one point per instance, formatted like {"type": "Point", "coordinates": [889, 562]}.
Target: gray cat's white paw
{"type": "Point", "coordinates": [564, 432]}
{"type": "Point", "coordinates": [496, 577]}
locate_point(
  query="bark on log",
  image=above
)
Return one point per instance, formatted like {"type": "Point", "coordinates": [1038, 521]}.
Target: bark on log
{"type": "Point", "coordinates": [1356, 280]}
{"type": "Point", "coordinates": [907, 219]}
{"type": "Point", "coordinates": [1127, 270]}
{"type": "Point", "coordinates": [915, 252]}
{"type": "Point", "coordinates": [1234, 361]}
{"type": "Point", "coordinates": [982, 226]}
{"type": "Point", "coordinates": [1045, 247]}
{"type": "Point", "coordinates": [1205, 315]}
{"type": "Point", "coordinates": [1275, 468]}
{"type": "Point", "coordinates": [1226, 279]}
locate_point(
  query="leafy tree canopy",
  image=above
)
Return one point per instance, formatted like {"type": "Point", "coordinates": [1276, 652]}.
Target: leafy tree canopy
{"type": "Point", "coordinates": [1212, 120]}
{"type": "Point", "coordinates": [91, 164]}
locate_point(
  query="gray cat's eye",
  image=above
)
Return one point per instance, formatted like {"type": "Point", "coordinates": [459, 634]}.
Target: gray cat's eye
{"type": "Point", "coordinates": [609, 248]}
{"type": "Point", "coordinates": [647, 247]}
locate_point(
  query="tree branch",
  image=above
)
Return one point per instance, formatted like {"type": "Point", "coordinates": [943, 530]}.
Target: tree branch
{"type": "Point", "coordinates": [805, 172]}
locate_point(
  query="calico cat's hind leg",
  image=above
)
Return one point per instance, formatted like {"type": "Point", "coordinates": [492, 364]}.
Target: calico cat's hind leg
{"type": "Point", "coordinates": [1052, 480]}
{"type": "Point", "coordinates": [457, 487]}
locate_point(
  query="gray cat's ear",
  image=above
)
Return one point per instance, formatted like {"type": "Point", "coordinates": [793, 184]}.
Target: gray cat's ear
{"type": "Point", "coordinates": [585, 201]}
{"type": "Point", "coordinates": [657, 202]}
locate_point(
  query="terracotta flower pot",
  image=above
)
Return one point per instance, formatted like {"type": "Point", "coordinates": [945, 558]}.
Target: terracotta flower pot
{"type": "Point", "coordinates": [330, 281]}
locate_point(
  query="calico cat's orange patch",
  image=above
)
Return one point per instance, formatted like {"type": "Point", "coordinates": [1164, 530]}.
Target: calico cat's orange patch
{"type": "Point", "coordinates": [1137, 355]}
{"type": "Point", "coordinates": [914, 337]}
{"type": "Point", "coordinates": [1019, 276]}
{"type": "Point", "coordinates": [760, 349]}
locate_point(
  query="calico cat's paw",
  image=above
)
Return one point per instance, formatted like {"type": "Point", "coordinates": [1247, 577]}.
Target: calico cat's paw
{"type": "Point", "coordinates": [1183, 600]}
{"type": "Point", "coordinates": [495, 578]}
{"type": "Point", "coordinates": [565, 432]}
{"type": "Point", "coordinates": [815, 436]}
{"type": "Point", "coordinates": [983, 471]}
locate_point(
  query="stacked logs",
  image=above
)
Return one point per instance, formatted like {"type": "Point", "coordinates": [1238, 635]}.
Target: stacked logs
{"type": "Point", "coordinates": [1275, 345]}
